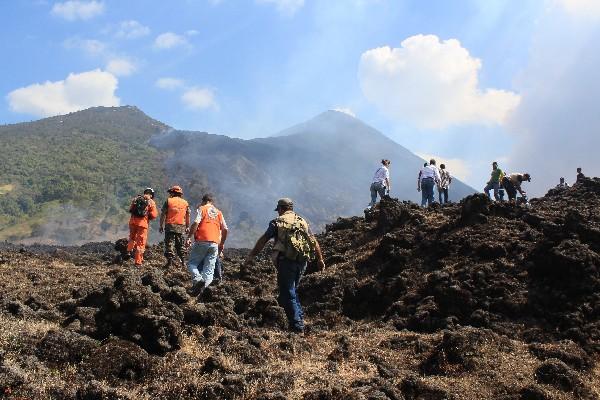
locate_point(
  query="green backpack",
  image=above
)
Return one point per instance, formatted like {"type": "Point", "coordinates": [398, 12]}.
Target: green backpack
{"type": "Point", "coordinates": [293, 236]}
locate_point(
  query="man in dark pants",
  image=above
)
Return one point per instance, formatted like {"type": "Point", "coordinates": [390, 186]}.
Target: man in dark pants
{"type": "Point", "coordinates": [289, 263]}
{"type": "Point", "coordinates": [175, 221]}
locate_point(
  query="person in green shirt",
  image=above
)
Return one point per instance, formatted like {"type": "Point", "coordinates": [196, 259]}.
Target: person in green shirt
{"type": "Point", "coordinates": [494, 182]}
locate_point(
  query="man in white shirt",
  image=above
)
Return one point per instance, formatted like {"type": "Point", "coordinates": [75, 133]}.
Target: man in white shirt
{"type": "Point", "coordinates": [429, 177]}
{"type": "Point", "coordinates": [381, 182]}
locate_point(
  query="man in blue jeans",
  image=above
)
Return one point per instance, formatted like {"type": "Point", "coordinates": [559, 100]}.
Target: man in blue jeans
{"type": "Point", "coordinates": [290, 266]}
{"type": "Point", "coordinates": [428, 178]}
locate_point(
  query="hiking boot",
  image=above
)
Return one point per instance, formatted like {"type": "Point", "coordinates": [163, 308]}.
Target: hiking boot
{"type": "Point", "coordinates": [196, 289]}
{"type": "Point", "coordinates": [297, 330]}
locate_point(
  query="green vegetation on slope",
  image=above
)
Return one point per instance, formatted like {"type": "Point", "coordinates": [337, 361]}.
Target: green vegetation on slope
{"type": "Point", "coordinates": [84, 159]}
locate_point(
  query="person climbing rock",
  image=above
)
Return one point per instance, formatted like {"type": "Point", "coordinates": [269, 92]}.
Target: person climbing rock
{"type": "Point", "coordinates": [175, 222]}
{"type": "Point", "coordinates": [494, 182]}
{"type": "Point", "coordinates": [512, 185]}
{"type": "Point", "coordinates": [430, 176]}
{"type": "Point", "coordinates": [381, 182]}
{"type": "Point", "coordinates": [580, 175]}
{"type": "Point", "coordinates": [209, 231]}
{"type": "Point", "coordinates": [294, 246]}
{"type": "Point", "coordinates": [445, 180]}
{"type": "Point", "coordinates": [142, 210]}
{"type": "Point", "coordinates": [562, 184]}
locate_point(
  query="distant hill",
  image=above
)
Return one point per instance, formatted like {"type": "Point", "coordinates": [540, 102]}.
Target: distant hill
{"type": "Point", "coordinates": [68, 179]}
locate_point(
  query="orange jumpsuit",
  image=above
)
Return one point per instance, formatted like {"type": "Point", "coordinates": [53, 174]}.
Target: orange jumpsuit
{"type": "Point", "coordinates": [138, 232]}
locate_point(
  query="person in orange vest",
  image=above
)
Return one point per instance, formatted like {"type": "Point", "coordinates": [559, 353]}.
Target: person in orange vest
{"type": "Point", "coordinates": [142, 210]}
{"type": "Point", "coordinates": [175, 222]}
{"type": "Point", "coordinates": [209, 231]}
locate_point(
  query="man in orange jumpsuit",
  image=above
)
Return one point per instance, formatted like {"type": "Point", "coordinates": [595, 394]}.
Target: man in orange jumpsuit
{"type": "Point", "coordinates": [143, 210]}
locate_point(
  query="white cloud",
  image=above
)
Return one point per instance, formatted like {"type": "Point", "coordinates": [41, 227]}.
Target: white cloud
{"type": "Point", "coordinates": [582, 8]}
{"type": "Point", "coordinates": [169, 83]}
{"type": "Point", "coordinates": [192, 32]}
{"type": "Point", "coordinates": [76, 92]}
{"type": "Point", "coordinates": [169, 40]}
{"type": "Point", "coordinates": [131, 30]}
{"type": "Point", "coordinates": [74, 9]}
{"type": "Point", "coordinates": [121, 67]}
{"type": "Point", "coordinates": [457, 167]}
{"type": "Point", "coordinates": [199, 99]}
{"type": "Point", "coordinates": [431, 83]}
{"type": "Point", "coordinates": [284, 7]}
{"type": "Point", "coordinates": [91, 46]}
{"type": "Point", "coordinates": [345, 110]}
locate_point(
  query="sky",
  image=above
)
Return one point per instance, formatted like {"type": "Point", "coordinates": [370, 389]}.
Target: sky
{"type": "Point", "coordinates": [467, 82]}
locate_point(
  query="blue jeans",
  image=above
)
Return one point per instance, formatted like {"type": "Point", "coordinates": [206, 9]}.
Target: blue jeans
{"type": "Point", "coordinates": [427, 189]}
{"type": "Point", "coordinates": [289, 274]}
{"type": "Point", "coordinates": [443, 193]}
{"type": "Point", "coordinates": [204, 255]}
{"type": "Point", "coordinates": [492, 185]}
{"type": "Point", "coordinates": [377, 187]}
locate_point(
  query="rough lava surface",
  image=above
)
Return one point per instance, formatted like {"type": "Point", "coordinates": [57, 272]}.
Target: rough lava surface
{"type": "Point", "coordinates": [476, 300]}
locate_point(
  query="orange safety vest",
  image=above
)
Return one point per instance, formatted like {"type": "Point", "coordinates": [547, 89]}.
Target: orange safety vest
{"type": "Point", "coordinates": [209, 229]}
{"type": "Point", "coordinates": [176, 211]}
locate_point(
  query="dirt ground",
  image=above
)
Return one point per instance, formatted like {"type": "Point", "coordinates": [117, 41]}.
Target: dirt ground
{"type": "Point", "coordinates": [477, 300]}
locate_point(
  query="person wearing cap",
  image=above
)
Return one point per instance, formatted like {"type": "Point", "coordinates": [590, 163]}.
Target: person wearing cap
{"type": "Point", "coordinates": [512, 184]}
{"type": "Point", "coordinates": [138, 225]}
{"type": "Point", "coordinates": [381, 182]}
{"type": "Point", "coordinates": [209, 231]}
{"type": "Point", "coordinates": [289, 271]}
{"type": "Point", "coordinates": [175, 222]}
{"type": "Point", "coordinates": [494, 182]}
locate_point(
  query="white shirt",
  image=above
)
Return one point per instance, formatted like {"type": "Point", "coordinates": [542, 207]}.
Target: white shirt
{"type": "Point", "coordinates": [430, 171]}
{"type": "Point", "coordinates": [381, 175]}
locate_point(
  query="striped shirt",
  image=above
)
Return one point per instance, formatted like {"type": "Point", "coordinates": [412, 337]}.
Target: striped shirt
{"type": "Point", "coordinates": [445, 178]}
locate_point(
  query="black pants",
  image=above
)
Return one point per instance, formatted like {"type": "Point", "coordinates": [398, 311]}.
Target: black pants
{"type": "Point", "coordinates": [445, 193]}
{"type": "Point", "coordinates": [510, 189]}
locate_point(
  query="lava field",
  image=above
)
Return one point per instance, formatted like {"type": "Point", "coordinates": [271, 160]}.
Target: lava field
{"type": "Point", "coordinates": [475, 300]}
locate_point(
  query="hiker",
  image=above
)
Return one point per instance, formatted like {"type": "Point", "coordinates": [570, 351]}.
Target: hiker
{"type": "Point", "coordinates": [429, 177]}
{"type": "Point", "coordinates": [381, 182]}
{"type": "Point", "coordinates": [445, 180]}
{"type": "Point", "coordinates": [294, 246]}
{"type": "Point", "coordinates": [494, 182]}
{"type": "Point", "coordinates": [562, 184]}
{"type": "Point", "coordinates": [423, 200]}
{"type": "Point", "coordinates": [175, 222]}
{"type": "Point", "coordinates": [580, 175]}
{"type": "Point", "coordinates": [210, 232]}
{"type": "Point", "coordinates": [142, 210]}
{"type": "Point", "coordinates": [512, 184]}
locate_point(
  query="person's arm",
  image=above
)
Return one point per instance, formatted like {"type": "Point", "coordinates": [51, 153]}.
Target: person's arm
{"type": "Point", "coordinates": [192, 231]}
{"type": "Point", "coordinates": [419, 181]}
{"type": "Point", "coordinates": [320, 261]}
{"type": "Point", "coordinates": [152, 210]}
{"type": "Point", "coordinates": [260, 244]}
{"type": "Point", "coordinates": [223, 238]}
{"type": "Point", "coordinates": [163, 217]}
{"type": "Point", "coordinates": [187, 220]}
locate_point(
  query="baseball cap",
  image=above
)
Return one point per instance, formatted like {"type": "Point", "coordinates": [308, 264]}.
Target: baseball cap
{"type": "Point", "coordinates": [284, 202]}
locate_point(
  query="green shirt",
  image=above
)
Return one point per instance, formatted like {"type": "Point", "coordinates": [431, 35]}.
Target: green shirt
{"type": "Point", "coordinates": [496, 175]}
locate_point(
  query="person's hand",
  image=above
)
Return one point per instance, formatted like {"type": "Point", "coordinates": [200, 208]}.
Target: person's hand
{"type": "Point", "coordinates": [418, 189]}
{"type": "Point", "coordinates": [161, 229]}
{"type": "Point", "coordinates": [221, 248]}
{"type": "Point", "coordinates": [187, 231]}
{"type": "Point", "coordinates": [188, 242]}
{"type": "Point", "coordinates": [321, 265]}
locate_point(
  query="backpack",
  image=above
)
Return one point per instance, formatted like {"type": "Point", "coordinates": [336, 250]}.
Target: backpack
{"type": "Point", "coordinates": [294, 240]}
{"type": "Point", "coordinates": [139, 206]}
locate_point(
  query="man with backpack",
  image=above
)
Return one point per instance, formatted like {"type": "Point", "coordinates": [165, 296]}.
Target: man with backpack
{"type": "Point", "coordinates": [210, 232]}
{"type": "Point", "coordinates": [294, 246]}
{"type": "Point", "coordinates": [142, 210]}
{"type": "Point", "coordinates": [175, 222]}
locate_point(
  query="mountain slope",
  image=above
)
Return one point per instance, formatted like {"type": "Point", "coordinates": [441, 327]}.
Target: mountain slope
{"type": "Point", "coordinates": [68, 178]}
{"type": "Point", "coordinates": [325, 165]}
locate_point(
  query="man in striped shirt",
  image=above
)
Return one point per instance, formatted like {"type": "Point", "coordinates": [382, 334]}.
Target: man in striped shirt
{"type": "Point", "coordinates": [445, 180]}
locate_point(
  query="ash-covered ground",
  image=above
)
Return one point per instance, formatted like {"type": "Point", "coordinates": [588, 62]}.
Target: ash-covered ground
{"type": "Point", "coordinates": [477, 300]}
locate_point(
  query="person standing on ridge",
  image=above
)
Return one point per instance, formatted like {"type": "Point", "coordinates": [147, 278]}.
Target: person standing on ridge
{"type": "Point", "coordinates": [381, 182]}
{"type": "Point", "coordinates": [423, 199]}
{"type": "Point", "coordinates": [294, 246]}
{"type": "Point", "coordinates": [512, 184]}
{"type": "Point", "coordinates": [494, 182]}
{"type": "Point", "coordinates": [142, 210]}
{"type": "Point", "coordinates": [175, 222]}
{"type": "Point", "coordinates": [562, 184]}
{"type": "Point", "coordinates": [210, 232]}
{"type": "Point", "coordinates": [580, 175]}
{"type": "Point", "coordinates": [430, 176]}
{"type": "Point", "coordinates": [445, 180]}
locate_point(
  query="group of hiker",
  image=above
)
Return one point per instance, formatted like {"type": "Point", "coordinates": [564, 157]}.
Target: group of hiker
{"type": "Point", "coordinates": [294, 243]}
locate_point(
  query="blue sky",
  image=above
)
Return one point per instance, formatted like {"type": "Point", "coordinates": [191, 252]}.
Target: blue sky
{"type": "Point", "coordinates": [456, 80]}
